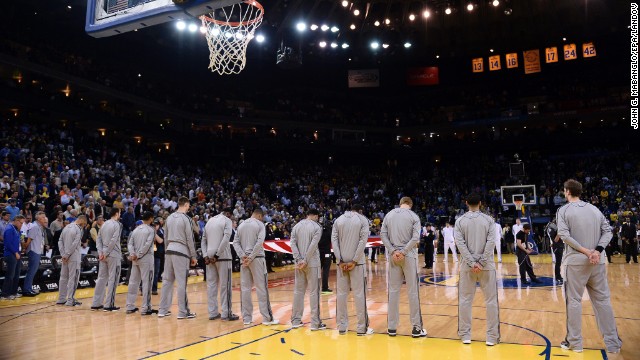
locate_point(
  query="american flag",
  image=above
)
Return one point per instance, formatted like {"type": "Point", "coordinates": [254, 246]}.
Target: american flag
{"type": "Point", "coordinates": [117, 5]}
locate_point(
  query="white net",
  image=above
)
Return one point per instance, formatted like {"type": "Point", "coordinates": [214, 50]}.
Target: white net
{"type": "Point", "coordinates": [228, 31]}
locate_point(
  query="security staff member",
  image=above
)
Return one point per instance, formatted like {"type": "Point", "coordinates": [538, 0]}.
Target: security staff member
{"type": "Point", "coordinates": [326, 256]}
{"type": "Point", "coordinates": [522, 252]}
{"type": "Point", "coordinates": [110, 256]}
{"type": "Point", "coordinates": [475, 235]}
{"type": "Point", "coordinates": [349, 238]}
{"type": "Point", "coordinates": [180, 252]}
{"type": "Point", "coordinates": [253, 271]}
{"type": "Point", "coordinates": [305, 236]}
{"type": "Point", "coordinates": [69, 245]}
{"type": "Point", "coordinates": [628, 235]}
{"type": "Point", "coordinates": [217, 258]}
{"type": "Point", "coordinates": [400, 235]}
{"type": "Point", "coordinates": [140, 248]}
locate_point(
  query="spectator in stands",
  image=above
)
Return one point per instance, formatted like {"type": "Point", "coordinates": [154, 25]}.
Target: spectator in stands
{"type": "Point", "coordinates": [4, 221]}
{"type": "Point", "coordinates": [12, 209]}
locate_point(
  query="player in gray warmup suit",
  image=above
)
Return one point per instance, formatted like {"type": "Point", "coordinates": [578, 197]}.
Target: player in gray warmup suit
{"type": "Point", "coordinates": [110, 256]}
{"type": "Point", "coordinates": [217, 258]}
{"type": "Point", "coordinates": [304, 246]}
{"type": "Point", "coordinates": [140, 247]}
{"type": "Point", "coordinates": [585, 232]}
{"type": "Point", "coordinates": [248, 244]}
{"type": "Point", "coordinates": [400, 235]}
{"type": "Point", "coordinates": [474, 233]}
{"type": "Point", "coordinates": [69, 245]}
{"type": "Point", "coordinates": [180, 252]}
{"type": "Point", "coordinates": [349, 239]}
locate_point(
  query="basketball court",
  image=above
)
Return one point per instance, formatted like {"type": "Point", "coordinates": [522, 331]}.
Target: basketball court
{"type": "Point", "coordinates": [532, 323]}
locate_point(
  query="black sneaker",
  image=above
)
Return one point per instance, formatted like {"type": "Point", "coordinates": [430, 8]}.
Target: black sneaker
{"type": "Point", "coordinates": [150, 312]}
{"type": "Point", "coordinates": [96, 308]}
{"type": "Point", "coordinates": [132, 311]}
{"type": "Point", "coordinates": [187, 316]}
{"type": "Point", "coordinates": [232, 317]}
{"type": "Point", "coordinates": [391, 332]}
{"type": "Point", "coordinates": [29, 294]}
{"type": "Point", "coordinates": [214, 317]}
{"type": "Point", "coordinates": [74, 303]}
{"type": "Point", "coordinates": [417, 332]}
{"type": "Point", "coordinates": [321, 327]}
{"type": "Point", "coordinates": [537, 281]}
{"type": "Point", "coordinates": [61, 303]}
{"type": "Point", "coordinates": [154, 293]}
{"type": "Point", "coordinates": [525, 282]}
{"type": "Point", "coordinates": [113, 308]}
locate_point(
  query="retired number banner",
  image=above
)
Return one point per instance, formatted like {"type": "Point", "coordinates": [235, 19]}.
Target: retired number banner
{"type": "Point", "coordinates": [531, 61]}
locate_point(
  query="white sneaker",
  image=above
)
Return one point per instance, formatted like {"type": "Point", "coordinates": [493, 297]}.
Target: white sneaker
{"type": "Point", "coordinates": [246, 323]}
{"type": "Point", "coordinates": [467, 342]}
{"type": "Point", "coordinates": [565, 346]}
{"type": "Point", "coordinates": [272, 322]}
{"type": "Point", "coordinates": [489, 343]}
{"type": "Point", "coordinates": [368, 332]}
{"type": "Point", "coordinates": [295, 326]}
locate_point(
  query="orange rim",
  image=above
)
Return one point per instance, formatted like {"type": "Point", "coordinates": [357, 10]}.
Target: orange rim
{"type": "Point", "coordinates": [238, 23]}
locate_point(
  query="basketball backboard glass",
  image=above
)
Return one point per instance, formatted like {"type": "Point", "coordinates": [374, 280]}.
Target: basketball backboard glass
{"type": "Point", "coordinates": [114, 17]}
{"type": "Point", "coordinates": [524, 193]}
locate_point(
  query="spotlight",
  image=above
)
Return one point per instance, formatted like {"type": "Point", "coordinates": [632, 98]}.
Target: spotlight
{"type": "Point", "coordinates": [334, 29]}
{"type": "Point", "coordinates": [352, 27]}
{"type": "Point", "coordinates": [334, 45]}
{"type": "Point", "coordinates": [412, 17]}
{"type": "Point", "coordinates": [356, 12]}
{"type": "Point", "coordinates": [203, 29]}
{"type": "Point", "coordinates": [437, 56]}
{"type": "Point", "coordinates": [181, 25]}
{"type": "Point", "coordinates": [193, 28]}
{"type": "Point", "coordinates": [490, 50]}
{"type": "Point", "coordinates": [384, 46]}
{"type": "Point", "coordinates": [407, 45]}
{"type": "Point", "coordinates": [470, 7]}
{"type": "Point", "coordinates": [495, 3]}
{"type": "Point", "coordinates": [374, 45]}
{"type": "Point", "coordinates": [447, 10]}
{"type": "Point", "coordinates": [564, 39]}
{"type": "Point", "coordinates": [426, 14]}
{"type": "Point", "coordinates": [387, 21]}
{"type": "Point", "coordinates": [313, 27]}
{"type": "Point", "coordinates": [345, 45]}
{"type": "Point", "coordinates": [324, 27]}
{"type": "Point", "coordinates": [323, 44]}
{"type": "Point", "coordinates": [228, 35]}
{"type": "Point", "coordinates": [215, 31]}
{"type": "Point", "coordinates": [260, 38]}
{"type": "Point", "coordinates": [301, 26]}
{"type": "Point", "coordinates": [377, 23]}
{"type": "Point", "coordinates": [345, 3]}
{"type": "Point", "coordinates": [508, 11]}
{"type": "Point", "coordinates": [239, 35]}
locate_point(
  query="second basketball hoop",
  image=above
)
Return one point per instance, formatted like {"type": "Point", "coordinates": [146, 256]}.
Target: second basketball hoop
{"type": "Point", "coordinates": [228, 31]}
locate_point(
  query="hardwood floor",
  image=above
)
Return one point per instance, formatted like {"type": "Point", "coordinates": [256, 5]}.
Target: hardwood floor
{"type": "Point", "coordinates": [35, 328]}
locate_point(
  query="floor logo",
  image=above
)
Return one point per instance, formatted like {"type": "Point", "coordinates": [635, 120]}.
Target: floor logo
{"type": "Point", "coordinates": [507, 281]}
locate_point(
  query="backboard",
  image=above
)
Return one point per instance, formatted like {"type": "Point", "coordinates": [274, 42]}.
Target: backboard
{"type": "Point", "coordinates": [114, 17]}
{"type": "Point", "coordinates": [525, 193]}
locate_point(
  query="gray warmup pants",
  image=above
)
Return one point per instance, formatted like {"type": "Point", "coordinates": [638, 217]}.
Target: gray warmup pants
{"type": "Point", "coordinates": [406, 270]}
{"type": "Point", "coordinates": [140, 270]}
{"type": "Point", "coordinates": [69, 276]}
{"type": "Point", "coordinates": [307, 278]}
{"type": "Point", "coordinates": [176, 268]}
{"type": "Point", "coordinates": [219, 275]}
{"type": "Point", "coordinates": [466, 293]}
{"type": "Point", "coordinates": [108, 275]}
{"type": "Point", "coordinates": [255, 275]}
{"type": "Point", "coordinates": [356, 281]}
{"type": "Point", "coordinates": [594, 278]}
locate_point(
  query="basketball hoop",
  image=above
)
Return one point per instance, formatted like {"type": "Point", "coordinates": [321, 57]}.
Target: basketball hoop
{"type": "Point", "coordinates": [518, 204]}
{"type": "Point", "coordinates": [228, 31]}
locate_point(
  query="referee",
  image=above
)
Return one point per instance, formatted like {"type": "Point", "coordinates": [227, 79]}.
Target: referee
{"type": "Point", "coordinates": [586, 232]}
